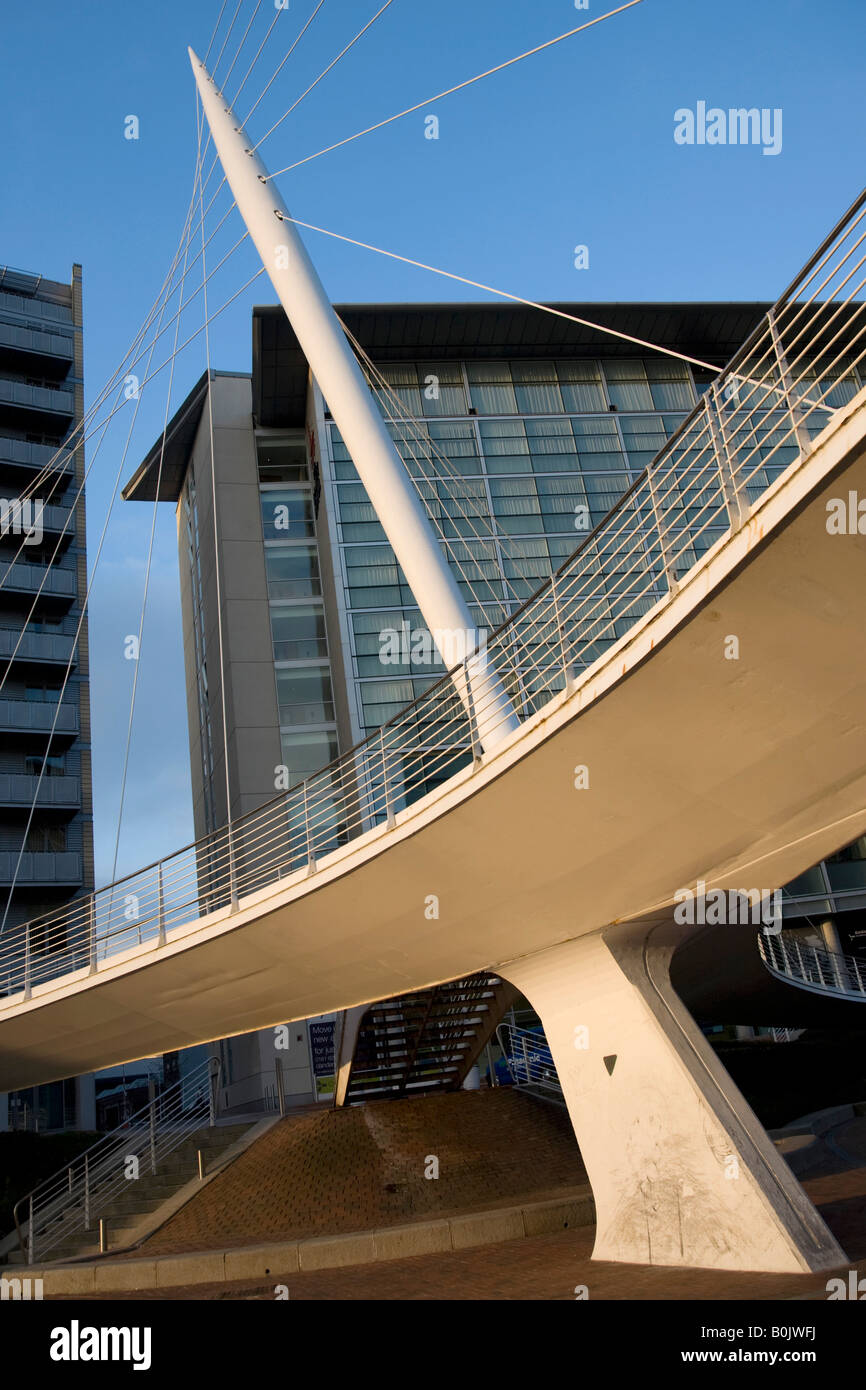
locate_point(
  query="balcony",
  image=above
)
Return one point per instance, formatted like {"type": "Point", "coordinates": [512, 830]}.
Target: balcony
{"type": "Point", "coordinates": [19, 458]}
{"type": "Point", "coordinates": [49, 583]}
{"type": "Point", "coordinates": [55, 793]}
{"type": "Point", "coordinates": [36, 349]}
{"type": "Point", "coordinates": [49, 408]}
{"type": "Point", "coordinates": [40, 648]}
{"type": "Point", "coordinates": [37, 717]}
{"type": "Point", "coordinates": [58, 398]}
{"type": "Point", "coordinates": [36, 869]}
{"type": "Point", "coordinates": [55, 522]}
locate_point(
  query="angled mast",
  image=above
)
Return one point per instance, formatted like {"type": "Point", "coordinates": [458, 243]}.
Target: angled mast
{"type": "Point", "coordinates": [350, 400]}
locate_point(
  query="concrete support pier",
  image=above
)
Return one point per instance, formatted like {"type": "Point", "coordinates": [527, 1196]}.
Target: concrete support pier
{"type": "Point", "coordinates": [682, 1171]}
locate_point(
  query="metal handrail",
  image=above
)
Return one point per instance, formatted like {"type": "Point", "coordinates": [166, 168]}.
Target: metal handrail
{"type": "Point", "coordinates": [69, 1200]}
{"type": "Point", "coordinates": [759, 417]}
{"type": "Point", "coordinates": [528, 1058]}
{"type": "Point", "coordinates": [787, 956]}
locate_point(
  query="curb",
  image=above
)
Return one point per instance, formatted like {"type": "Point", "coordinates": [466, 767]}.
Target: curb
{"type": "Point", "coordinates": [324, 1252]}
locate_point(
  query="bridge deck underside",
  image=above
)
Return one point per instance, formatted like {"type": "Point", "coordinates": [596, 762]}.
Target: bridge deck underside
{"type": "Point", "coordinates": [742, 772]}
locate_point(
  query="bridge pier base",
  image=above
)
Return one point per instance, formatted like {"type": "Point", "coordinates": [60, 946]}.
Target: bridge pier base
{"type": "Point", "coordinates": [682, 1171]}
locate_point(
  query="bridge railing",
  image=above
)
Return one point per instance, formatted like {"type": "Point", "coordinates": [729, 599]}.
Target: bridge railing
{"type": "Point", "coordinates": [755, 419]}
{"type": "Point", "coordinates": [787, 956]}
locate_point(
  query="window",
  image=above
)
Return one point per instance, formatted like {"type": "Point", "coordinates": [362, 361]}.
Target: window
{"type": "Point", "coordinates": [42, 694]}
{"type": "Point", "coordinates": [403, 383]}
{"type": "Point", "coordinates": [598, 445]}
{"type": "Point", "coordinates": [292, 571]}
{"type": "Point", "coordinates": [304, 696]}
{"type": "Point", "coordinates": [456, 440]}
{"type": "Point", "coordinates": [536, 388]}
{"type": "Point", "coordinates": [298, 632]}
{"type": "Point", "coordinates": [643, 436]}
{"type": "Point", "coordinates": [627, 385]}
{"type": "Point", "coordinates": [282, 461]}
{"type": "Point", "coordinates": [45, 839]}
{"type": "Point", "coordinates": [55, 764]}
{"type": "Point", "coordinates": [491, 388]}
{"type": "Point", "coordinates": [515, 504]}
{"type": "Point", "coordinates": [505, 446]}
{"type": "Point", "coordinates": [304, 754]}
{"type": "Point", "coordinates": [442, 390]}
{"type": "Point", "coordinates": [287, 514]}
{"type": "Point", "coordinates": [581, 387]}
{"type": "Point", "coordinates": [374, 578]}
{"type": "Point", "coordinates": [381, 699]}
{"type": "Point", "coordinates": [552, 446]}
{"type": "Point", "coordinates": [670, 384]}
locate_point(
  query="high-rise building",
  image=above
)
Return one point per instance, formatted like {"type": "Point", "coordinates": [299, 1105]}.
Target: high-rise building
{"type": "Point", "coordinates": [46, 830]}
{"type": "Point", "coordinates": [523, 430]}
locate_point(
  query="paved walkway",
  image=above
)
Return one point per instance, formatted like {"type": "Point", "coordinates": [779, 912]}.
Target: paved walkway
{"type": "Point", "coordinates": [550, 1267]}
{"type": "Point", "coordinates": [540, 1268]}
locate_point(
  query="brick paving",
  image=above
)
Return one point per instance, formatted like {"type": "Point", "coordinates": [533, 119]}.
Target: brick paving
{"type": "Point", "coordinates": [546, 1268]}
{"type": "Point", "coordinates": [338, 1171]}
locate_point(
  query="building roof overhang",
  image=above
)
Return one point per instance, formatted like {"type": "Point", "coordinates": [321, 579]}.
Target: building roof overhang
{"type": "Point", "coordinates": [710, 331]}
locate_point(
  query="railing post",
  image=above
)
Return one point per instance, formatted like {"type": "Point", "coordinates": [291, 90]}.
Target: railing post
{"type": "Point", "coordinates": [213, 1078]}
{"type": "Point", "coordinates": [281, 1098]}
{"type": "Point", "coordinates": [390, 818]}
{"type": "Point", "coordinates": [475, 744]}
{"type": "Point", "coordinates": [151, 1121]}
{"type": "Point", "coordinates": [31, 1234]}
{"type": "Point", "coordinates": [91, 930]}
{"type": "Point", "coordinates": [233, 884]}
{"type": "Point", "coordinates": [736, 508]}
{"type": "Point", "coordinates": [800, 961]}
{"type": "Point", "coordinates": [664, 550]}
{"type": "Point", "coordinates": [311, 853]}
{"type": "Point", "coordinates": [160, 904]}
{"type": "Point", "coordinates": [525, 1060]}
{"type": "Point", "coordinates": [795, 410]}
{"type": "Point", "coordinates": [86, 1193]}
{"type": "Point", "coordinates": [28, 983]}
{"type": "Point", "coordinates": [567, 673]}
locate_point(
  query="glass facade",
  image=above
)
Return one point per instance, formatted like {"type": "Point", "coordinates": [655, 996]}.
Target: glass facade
{"type": "Point", "coordinates": [308, 730]}
{"type": "Point", "coordinates": [537, 452]}
{"type": "Point", "coordinates": [43, 637]}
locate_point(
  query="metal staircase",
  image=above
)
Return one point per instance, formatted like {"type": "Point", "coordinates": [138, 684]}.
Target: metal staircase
{"type": "Point", "coordinates": [427, 1041]}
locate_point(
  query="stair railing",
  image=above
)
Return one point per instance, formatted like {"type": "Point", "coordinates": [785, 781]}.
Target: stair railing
{"type": "Point", "coordinates": [72, 1198]}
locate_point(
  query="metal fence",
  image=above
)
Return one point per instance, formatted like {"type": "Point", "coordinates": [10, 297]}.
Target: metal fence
{"type": "Point", "coordinates": [528, 1058]}
{"type": "Point", "coordinates": [760, 415]}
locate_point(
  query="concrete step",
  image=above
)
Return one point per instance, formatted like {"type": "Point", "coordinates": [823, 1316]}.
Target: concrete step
{"type": "Point", "coordinates": [130, 1207]}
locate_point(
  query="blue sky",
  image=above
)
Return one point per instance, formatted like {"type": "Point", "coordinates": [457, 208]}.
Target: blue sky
{"type": "Point", "coordinates": [573, 146]}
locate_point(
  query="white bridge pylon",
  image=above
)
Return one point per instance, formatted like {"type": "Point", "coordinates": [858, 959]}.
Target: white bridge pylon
{"type": "Point", "coordinates": [374, 454]}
